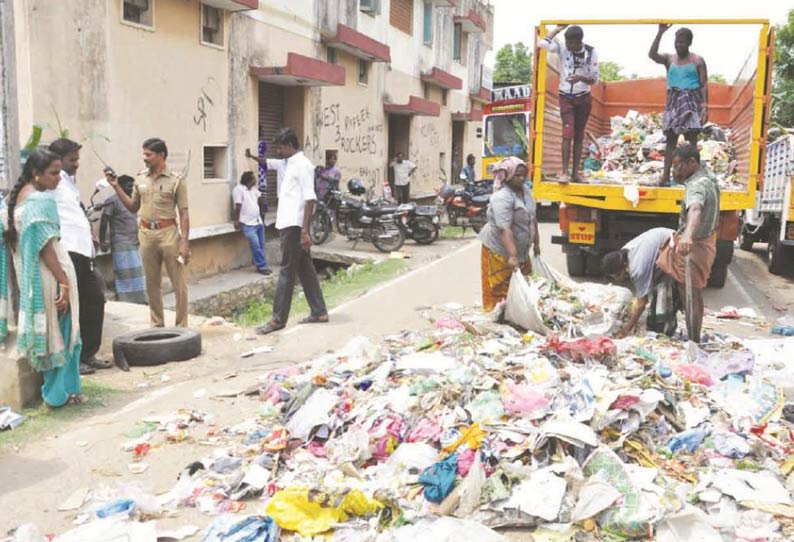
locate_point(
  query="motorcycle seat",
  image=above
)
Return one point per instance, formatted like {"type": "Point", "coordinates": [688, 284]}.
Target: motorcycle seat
{"type": "Point", "coordinates": [481, 201]}
{"type": "Point", "coordinates": [378, 211]}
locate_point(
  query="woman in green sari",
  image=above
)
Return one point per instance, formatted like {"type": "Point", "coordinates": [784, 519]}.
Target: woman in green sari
{"type": "Point", "coordinates": [48, 334]}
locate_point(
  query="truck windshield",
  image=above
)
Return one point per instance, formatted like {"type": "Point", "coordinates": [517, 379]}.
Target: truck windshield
{"type": "Point", "coordinates": [506, 135]}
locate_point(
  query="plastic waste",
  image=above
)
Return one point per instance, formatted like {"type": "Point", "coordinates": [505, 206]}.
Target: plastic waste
{"type": "Point", "coordinates": [439, 478]}
{"type": "Point", "coordinates": [522, 399]}
{"type": "Point", "coordinates": [687, 441]}
{"type": "Point", "coordinates": [314, 511]}
{"type": "Point", "coordinates": [122, 506]}
{"type": "Point", "coordinates": [785, 331]}
{"type": "Point", "coordinates": [228, 528]}
{"type": "Point", "coordinates": [694, 373]}
{"type": "Point", "coordinates": [522, 305]}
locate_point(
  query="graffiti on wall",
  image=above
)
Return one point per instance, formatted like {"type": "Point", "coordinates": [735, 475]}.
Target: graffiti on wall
{"type": "Point", "coordinates": [355, 132]}
{"type": "Point", "coordinates": [204, 102]}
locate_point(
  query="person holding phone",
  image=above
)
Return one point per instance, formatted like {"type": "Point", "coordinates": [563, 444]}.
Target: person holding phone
{"type": "Point", "coordinates": [159, 194]}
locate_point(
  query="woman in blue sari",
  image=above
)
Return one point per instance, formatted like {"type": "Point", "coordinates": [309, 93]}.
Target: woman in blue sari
{"type": "Point", "coordinates": [48, 334]}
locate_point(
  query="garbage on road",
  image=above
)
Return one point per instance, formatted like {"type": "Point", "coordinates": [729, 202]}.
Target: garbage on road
{"type": "Point", "coordinates": [9, 419]}
{"type": "Point", "coordinates": [633, 153]}
{"type": "Point", "coordinates": [475, 427]}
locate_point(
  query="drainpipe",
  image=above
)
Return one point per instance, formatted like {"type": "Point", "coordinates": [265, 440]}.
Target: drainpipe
{"type": "Point", "coordinates": [9, 109]}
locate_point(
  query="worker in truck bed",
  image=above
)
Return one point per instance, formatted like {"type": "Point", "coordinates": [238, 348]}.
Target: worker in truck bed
{"type": "Point", "coordinates": [687, 109]}
{"type": "Point", "coordinates": [696, 238]}
{"type": "Point", "coordinates": [578, 71]}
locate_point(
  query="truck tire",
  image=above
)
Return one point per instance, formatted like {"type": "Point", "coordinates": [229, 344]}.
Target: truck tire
{"type": "Point", "coordinates": [156, 346]}
{"type": "Point", "coordinates": [779, 257]}
{"type": "Point", "coordinates": [746, 240]}
{"type": "Point", "coordinates": [576, 263]}
{"type": "Point", "coordinates": [719, 274]}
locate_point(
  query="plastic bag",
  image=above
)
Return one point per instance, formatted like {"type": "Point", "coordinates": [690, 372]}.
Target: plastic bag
{"type": "Point", "coordinates": [601, 349]}
{"type": "Point", "coordinates": [522, 305]}
{"type": "Point", "coordinates": [524, 400]}
{"type": "Point", "coordinates": [439, 478]}
{"type": "Point", "coordinates": [312, 511]}
{"type": "Point", "coordinates": [233, 529]}
{"type": "Point", "coordinates": [694, 373]}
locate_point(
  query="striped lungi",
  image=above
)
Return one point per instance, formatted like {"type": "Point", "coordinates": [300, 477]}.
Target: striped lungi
{"type": "Point", "coordinates": [682, 111]}
{"type": "Point", "coordinates": [130, 282]}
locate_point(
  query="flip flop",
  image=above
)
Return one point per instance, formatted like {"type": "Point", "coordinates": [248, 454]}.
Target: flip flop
{"type": "Point", "coordinates": [96, 363]}
{"type": "Point", "coordinates": [270, 327]}
{"type": "Point", "coordinates": [315, 320]}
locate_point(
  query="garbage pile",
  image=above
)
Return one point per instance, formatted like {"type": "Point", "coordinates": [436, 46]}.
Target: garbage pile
{"type": "Point", "coordinates": [634, 153]}
{"type": "Point", "coordinates": [475, 426]}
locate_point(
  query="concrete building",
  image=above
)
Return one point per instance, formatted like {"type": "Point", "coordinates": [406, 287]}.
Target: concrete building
{"type": "Point", "coordinates": [364, 78]}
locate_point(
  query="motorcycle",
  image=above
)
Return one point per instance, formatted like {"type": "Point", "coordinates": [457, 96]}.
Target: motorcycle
{"type": "Point", "coordinates": [422, 223]}
{"type": "Point", "coordinates": [466, 205]}
{"type": "Point", "coordinates": [357, 220]}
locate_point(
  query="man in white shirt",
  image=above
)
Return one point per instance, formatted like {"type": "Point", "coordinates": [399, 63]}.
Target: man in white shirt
{"type": "Point", "coordinates": [295, 210]}
{"type": "Point", "coordinates": [578, 71]}
{"type": "Point", "coordinates": [269, 164]}
{"type": "Point", "coordinates": [247, 219]}
{"type": "Point", "coordinates": [77, 237]}
{"type": "Point", "coordinates": [403, 169]}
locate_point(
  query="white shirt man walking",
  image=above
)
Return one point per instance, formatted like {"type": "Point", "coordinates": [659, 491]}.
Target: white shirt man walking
{"type": "Point", "coordinates": [295, 210]}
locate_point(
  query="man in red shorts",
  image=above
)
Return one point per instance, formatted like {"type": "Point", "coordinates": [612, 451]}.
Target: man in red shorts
{"type": "Point", "coordinates": [578, 71]}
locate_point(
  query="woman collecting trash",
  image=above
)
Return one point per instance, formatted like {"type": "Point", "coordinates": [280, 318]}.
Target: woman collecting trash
{"type": "Point", "coordinates": [511, 229]}
{"type": "Point", "coordinates": [48, 333]}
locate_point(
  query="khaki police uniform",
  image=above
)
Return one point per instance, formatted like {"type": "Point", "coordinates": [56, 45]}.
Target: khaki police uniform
{"type": "Point", "coordinates": [159, 236]}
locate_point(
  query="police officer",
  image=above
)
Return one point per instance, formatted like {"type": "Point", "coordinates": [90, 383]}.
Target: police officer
{"type": "Point", "coordinates": [158, 193]}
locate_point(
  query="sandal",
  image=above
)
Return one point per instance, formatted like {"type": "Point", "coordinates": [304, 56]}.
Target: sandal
{"type": "Point", "coordinates": [315, 320]}
{"type": "Point", "coordinates": [96, 363]}
{"type": "Point", "coordinates": [270, 327]}
{"type": "Point", "coordinates": [76, 399]}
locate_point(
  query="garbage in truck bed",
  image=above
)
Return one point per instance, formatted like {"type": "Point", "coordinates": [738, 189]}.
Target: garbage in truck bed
{"type": "Point", "coordinates": [473, 425]}
{"type": "Point", "coordinates": [634, 153]}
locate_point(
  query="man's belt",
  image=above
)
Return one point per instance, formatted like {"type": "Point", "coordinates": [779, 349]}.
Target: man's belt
{"type": "Point", "coordinates": [157, 224]}
{"type": "Point", "coordinates": [578, 94]}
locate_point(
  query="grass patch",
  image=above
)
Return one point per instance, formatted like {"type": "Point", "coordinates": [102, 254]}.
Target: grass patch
{"type": "Point", "coordinates": [345, 284]}
{"type": "Point", "coordinates": [40, 419]}
{"type": "Point", "coordinates": [456, 233]}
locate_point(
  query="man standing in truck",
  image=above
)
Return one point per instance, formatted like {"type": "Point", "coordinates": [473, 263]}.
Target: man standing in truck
{"type": "Point", "coordinates": [696, 239]}
{"type": "Point", "coordinates": [578, 71]}
{"type": "Point", "coordinates": [687, 107]}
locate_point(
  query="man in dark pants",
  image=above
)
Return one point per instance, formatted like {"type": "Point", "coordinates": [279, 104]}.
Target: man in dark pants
{"type": "Point", "coordinates": [578, 72]}
{"type": "Point", "coordinates": [77, 237]}
{"type": "Point", "coordinates": [295, 210]}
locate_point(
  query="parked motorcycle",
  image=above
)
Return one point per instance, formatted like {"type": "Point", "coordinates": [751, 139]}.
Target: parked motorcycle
{"type": "Point", "coordinates": [422, 223]}
{"type": "Point", "coordinates": [357, 220]}
{"type": "Point", "coordinates": [466, 205]}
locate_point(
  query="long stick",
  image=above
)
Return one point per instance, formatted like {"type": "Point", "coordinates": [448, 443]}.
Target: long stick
{"type": "Point", "coordinates": [689, 308]}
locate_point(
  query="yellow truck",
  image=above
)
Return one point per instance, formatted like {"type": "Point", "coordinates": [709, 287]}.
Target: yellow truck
{"type": "Point", "coordinates": [595, 217]}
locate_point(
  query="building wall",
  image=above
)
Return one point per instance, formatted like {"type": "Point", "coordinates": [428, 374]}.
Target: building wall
{"type": "Point", "coordinates": [112, 85]}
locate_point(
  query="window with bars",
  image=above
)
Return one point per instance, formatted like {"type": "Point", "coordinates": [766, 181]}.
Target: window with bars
{"type": "Point", "coordinates": [211, 25]}
{"type": "Point", "coordinates": [139, 12]}
{"type": "Point", "coordinates": [214, 162]}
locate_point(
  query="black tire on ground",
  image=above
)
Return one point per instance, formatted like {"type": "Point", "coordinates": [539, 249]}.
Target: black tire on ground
{"type": "Point", "coordinates": [320, 227]}
{"type": "Point", "coordinates": [156, 346]}
{"type": "Point", "coordinates": [477, 228]}
{"type": "Point", "coordinates": [719, 274]}
{"type": "Point", "coordinates": [576, 263]}
{"type": "Point", "coordinates": [387, 240]}
{"type": "Point", "coordinates": [746, 240]}
{"type": "Point", "coordinates": [779, 257]}
{"type": "Point", "coordinates": [425, 232]}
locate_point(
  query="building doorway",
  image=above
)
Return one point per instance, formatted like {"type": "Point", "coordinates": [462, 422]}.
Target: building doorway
{"type": "Point", "coordinates": [271, 120]}
{"type": "Point", "coordinates": [458, 128]}
{"type": "Point", "coordinates": [399, 141]}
